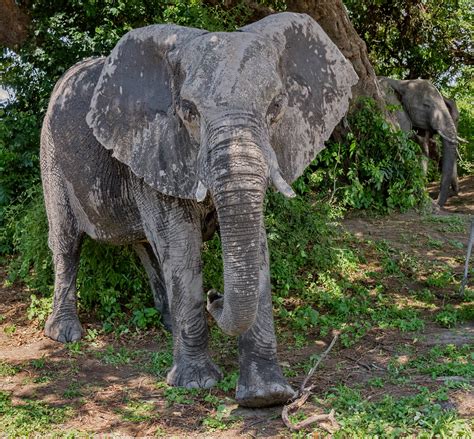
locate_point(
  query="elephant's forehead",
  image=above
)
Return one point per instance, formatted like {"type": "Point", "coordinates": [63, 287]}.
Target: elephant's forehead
{"type": "Point", "coordinates": [230, 66]}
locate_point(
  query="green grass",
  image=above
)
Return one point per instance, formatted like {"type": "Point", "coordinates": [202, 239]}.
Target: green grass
{"type": "Point", "coordinates": [447, 360]}
{"type": "Point", "coordinates": [116, 356]}
{"type": "Point", "coordinates": [417, 415]}
{"type": "Point", "coordinates": [139, 411]}
{"type": "Point", "coordinates": [7, 370]}
{"type": "Point", "coordinates": [178, 395]}
{"type": "Point", "coordinates": [229, 381]}
{"type": "Point", "coordinates": [160, 363]}
{"type": "Point", "coordinates": [29, 417]}
{"type": "Point", "coordinates": [219, 419]}
{"type": "Point", "coordinates": [72, 391]}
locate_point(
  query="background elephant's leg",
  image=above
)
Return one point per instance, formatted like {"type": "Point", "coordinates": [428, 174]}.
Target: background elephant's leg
{"type": "Point", "coordinates": [157, 283]}
{"type": "Point", "coordinates": [454, 181]}
{"type": "Point", "coordinates": [173, 229]}
{"type": "Point", "coordinates": [261, 381]}
{"type": "Point", "coordinates": [63, 323]}
{"type": "Point", "coordinates": [424, 142]}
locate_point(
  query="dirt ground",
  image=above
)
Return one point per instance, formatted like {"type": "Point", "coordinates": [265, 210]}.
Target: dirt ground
{"type": "Point", "coordinates": [47, 369]}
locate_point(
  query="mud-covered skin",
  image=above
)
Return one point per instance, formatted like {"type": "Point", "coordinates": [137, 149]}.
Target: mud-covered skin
{"type": "Point", "coordinates": [424, 109]}
{"type": "Point", "coordinates": [175, 134]}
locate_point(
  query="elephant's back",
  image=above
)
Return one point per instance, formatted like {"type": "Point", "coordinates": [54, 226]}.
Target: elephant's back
{"type": "Point", "coordinates": [94, 183]}
{"type": "Point", "coordinates": [65, 134]}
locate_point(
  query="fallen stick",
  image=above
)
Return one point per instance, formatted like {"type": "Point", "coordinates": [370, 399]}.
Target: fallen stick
{"type": "Point", "coordinates": [303, 395]}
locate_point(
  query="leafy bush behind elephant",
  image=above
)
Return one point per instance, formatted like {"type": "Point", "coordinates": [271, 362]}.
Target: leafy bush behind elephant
{"type": "Point", "coordinates": [375, 166]}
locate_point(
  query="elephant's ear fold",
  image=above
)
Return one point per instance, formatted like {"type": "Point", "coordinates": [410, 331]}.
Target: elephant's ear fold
{"type": "Point", "coordinates": [132, 111]}
{"type": "Point", "coordinates": [318, 81]}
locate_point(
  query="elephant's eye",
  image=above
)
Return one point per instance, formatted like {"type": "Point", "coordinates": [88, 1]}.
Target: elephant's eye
{"type": "Point", "coordinates": [276, 108]}
{"type": "Point", "coordinates": [189, 110]}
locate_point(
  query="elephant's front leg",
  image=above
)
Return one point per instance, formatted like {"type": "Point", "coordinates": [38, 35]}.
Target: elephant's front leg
{"type": "Point", "coordinates": [261, 381]}
{"type": "Point", "coordinates": [176, 239]}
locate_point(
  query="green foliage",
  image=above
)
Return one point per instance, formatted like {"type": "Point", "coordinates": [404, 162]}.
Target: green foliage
{"type": "Point", "coordinates": [220, 419]}
{"type": "Point", "coordinates": [462, 91]}
{"type": "Point", "coordinates": [7, 370]}
{"type": "Point", "coordinates": [419, 414]}
{"type": "Point", "coordinates": [116, 357]}
{"type": "Point", "coordinates": [160, 362]}
{"type": "Point", "coordinates": [444, 360]}
{"type": "Point", "coordinates": [19, 165]}
{"type": "Point", "coordinates": [139, 411]}
{"type": "Point", "coordinates": [448, 317]}
{"type": "Point", "coordinates": [229, 382]}
{"type": "Point", "coordinates": [178, 395]}
{"type": "Point", "coordinates": [25, 232]}
{"type": "Point", "coordinates": [72, 391]}
{"type": "Point", "coordinates": [39, 308]}
{"type": "Point", "coordinates": [29, 418]}
{"type": "Point", "coordinates": [380, 169]}
{"type": "Point", "coordinates": [411, 39]}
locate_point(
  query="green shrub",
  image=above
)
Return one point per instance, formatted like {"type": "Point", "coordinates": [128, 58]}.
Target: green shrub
{"type": "Point", "coordinates": [375, 167]}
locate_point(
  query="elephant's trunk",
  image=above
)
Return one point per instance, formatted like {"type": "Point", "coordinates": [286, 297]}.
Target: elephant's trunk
{"type": "Point", "coordinates": [240, 178]}
{"type": "Point", "coordinates": [449, 170]}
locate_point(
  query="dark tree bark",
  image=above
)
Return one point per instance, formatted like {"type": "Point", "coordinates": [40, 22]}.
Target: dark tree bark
{"type": "Point", "coordinates": [14, 24]}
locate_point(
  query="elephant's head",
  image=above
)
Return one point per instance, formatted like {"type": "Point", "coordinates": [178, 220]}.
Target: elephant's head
{"type": "Point", "coordinates": [193, 112]}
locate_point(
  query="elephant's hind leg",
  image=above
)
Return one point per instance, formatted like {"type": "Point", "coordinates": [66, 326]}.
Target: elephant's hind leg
{"type": "Point", "coordinates": [261, 381]}
{"type": "Point", "coordinates": [65, 240]}
{"type": "Point", "coordinates": [63, 323]}
{"type": "Point", "coordinates": [157, 282]}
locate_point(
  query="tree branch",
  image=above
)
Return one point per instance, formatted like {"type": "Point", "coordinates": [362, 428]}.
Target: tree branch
{"type": "Point", "coordinates": [14, 24]}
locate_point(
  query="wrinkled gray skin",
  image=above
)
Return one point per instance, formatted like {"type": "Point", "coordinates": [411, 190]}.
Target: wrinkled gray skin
{"type": "Point", "coordinates": [425, 110]}
{"type": "Point", "coordinates": [177, 128]}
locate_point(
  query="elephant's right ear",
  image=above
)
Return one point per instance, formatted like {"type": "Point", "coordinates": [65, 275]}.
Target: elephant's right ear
{"type": "Point", "coordinates": [318, 80]}
{"type": "Point", "coordinates": [133, 114]}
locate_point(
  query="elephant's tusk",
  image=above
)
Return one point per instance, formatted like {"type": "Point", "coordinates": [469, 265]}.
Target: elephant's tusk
{"type": "Point", "coordinates": [281, 185]}
{"type": "Point", "coordinates": [201, 192]}
{"type": "Point", "coordinates": [460, 139]}
{"type": "Point", "coordinates": [449, 139]}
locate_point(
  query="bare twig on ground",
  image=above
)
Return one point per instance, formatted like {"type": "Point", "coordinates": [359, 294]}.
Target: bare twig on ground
{"type": "Point", "coordinates": [358, 362]}
{"type": "Point", "coordinates": [313, 369]}
{"type": "Point", "coordinates": [303, 395]}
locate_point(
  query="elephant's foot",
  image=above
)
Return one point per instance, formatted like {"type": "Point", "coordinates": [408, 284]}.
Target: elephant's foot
{"type": "Point", "coordinates": [262, 384]}
{"type": "Point", "coordinates": [194, 374]}
{"type": "Point", "coordinates": [64, 328]}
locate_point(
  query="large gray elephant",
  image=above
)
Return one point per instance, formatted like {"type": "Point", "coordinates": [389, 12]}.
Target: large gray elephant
{"type": "Point", "coordinates": [426, 111]}
{"type": "Point", "coordinates": [178, 126]}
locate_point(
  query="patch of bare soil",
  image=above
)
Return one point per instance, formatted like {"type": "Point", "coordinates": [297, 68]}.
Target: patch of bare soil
{"type": "Point", "coordinates": [101, 393]}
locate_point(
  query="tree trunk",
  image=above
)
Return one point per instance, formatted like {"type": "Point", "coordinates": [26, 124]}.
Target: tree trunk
{"type": "Point", "coordinates": [14, 23]}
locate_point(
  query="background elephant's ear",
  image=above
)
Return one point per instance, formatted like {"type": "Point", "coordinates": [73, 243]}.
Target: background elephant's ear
{"type": "Point", "coordinates": [318, 81]}
{"type": "Point", "coordinates": [132, 111]}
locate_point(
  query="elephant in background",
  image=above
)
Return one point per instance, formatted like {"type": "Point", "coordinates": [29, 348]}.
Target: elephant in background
{"type": "Point", "coordinates": [175, 128]}
{"type": "Point", "coordinates": [425, 110]}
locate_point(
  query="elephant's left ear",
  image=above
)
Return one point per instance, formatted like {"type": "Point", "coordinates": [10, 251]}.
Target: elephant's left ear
{"type": "Point", "coordinates": [132, 112]}
{"type": "Point", "coordinates": [318, 81]}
